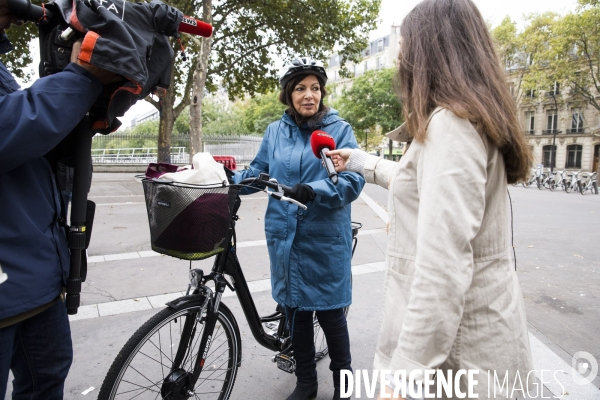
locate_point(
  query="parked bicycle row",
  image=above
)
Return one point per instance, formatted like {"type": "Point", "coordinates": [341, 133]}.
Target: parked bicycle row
{"type": "Point", "coordinates": [568, 181]}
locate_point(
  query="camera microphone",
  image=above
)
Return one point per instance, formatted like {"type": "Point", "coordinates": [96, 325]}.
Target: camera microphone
{"type": "Point", "coordinates": [195, 27]}
{"type": "Point", "coordinates": [321, 142]}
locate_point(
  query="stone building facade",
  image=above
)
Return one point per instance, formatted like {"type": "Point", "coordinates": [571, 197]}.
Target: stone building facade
{"type": "Point", "coordinates": [555, 118]}
{"type": "Point", "coordinates": [380, 53]}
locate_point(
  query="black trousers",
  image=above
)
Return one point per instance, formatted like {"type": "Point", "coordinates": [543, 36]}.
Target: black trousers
{"type": "Point", "coordinates": [335, 328]}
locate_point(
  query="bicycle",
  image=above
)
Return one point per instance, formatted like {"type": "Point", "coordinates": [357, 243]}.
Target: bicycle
{"type": "Point", "coordinates": [192, 348]}
{"type": "Point", "coordinates": [574, 183]}
{"type": "Point", "coordinates": [590, 183]}
{"type": "Point", "coordinates": [559, 180]}
{"type": "Point", "coordinates": [529, 181]}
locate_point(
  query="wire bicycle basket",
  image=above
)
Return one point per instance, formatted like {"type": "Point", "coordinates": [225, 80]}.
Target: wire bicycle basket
{"type": "Point", "coordinates": [188, 221]}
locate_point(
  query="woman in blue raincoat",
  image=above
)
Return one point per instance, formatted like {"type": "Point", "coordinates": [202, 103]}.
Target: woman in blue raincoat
{"type": "Point", "coordinates": [310, 250]}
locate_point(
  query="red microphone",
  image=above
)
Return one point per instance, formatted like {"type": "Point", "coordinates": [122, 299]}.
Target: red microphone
{"type": "Point", "coordinates": [195, 27]}
{"type": "Point", "coordinates": [322, 142]}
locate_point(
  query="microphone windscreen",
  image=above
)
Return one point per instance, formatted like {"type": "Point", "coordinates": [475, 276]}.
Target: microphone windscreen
{"type": "Point", "coordinates": [195, 27]}
{"type": "Point", "coordinates": [320, 139]}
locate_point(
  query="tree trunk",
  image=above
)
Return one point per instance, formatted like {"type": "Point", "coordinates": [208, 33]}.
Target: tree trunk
{"type": "Point", "coordinates": [165, 126]}
{"type": "Point", "coordinates": [391, 148]}
{"type": "Point", "coordinates": [199, 85]}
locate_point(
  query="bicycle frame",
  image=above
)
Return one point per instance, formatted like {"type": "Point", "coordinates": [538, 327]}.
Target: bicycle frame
{"type": "Point", "coordinates": [227, 262]}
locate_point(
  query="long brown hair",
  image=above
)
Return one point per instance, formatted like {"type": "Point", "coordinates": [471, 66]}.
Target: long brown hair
{"type": "Point", "coordinates": [285, 97]}
{"type": "Point", "coordinates": [447, 59]}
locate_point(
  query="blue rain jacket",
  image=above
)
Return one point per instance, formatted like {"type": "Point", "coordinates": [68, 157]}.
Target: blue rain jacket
{"type": "Point", "coordinates": [310, 250]}
{"type": "Point", "coordinates": [33, 248]}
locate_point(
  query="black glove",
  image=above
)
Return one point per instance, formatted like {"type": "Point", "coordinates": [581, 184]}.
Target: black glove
{"type": "Point", "coordinates": [303, 193]}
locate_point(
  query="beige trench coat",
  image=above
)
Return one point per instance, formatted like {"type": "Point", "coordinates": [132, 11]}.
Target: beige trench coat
{"type": "Point", "coordinates": [452, 297]}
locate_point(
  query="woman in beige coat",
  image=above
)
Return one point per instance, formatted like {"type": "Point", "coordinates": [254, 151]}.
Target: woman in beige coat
{"type": "Point", "coordinates": [452, 297]}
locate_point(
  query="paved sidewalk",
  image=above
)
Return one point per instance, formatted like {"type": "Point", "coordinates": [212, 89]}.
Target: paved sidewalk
{"type": "Point", "coordinates": [558, 263]}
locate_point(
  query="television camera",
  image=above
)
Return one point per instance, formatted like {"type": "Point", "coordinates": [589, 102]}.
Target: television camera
{"type": "Point", "coordinates": [128, 39]}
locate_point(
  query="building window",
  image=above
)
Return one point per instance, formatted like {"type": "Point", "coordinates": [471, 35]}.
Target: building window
{"type": "Point", "coordinates": [549, 156]}
{"type": "Point", "coordinates": [378, 61]}
{"type": "Point", "coordinates": [552, 124]}
{"type": "Point", "coordinates": [530, 122]}
{"type": "Point", "coordinates": [354, 70]}
{"type": "Point", "coordinates": [529, 59]}
{"type": "Point", "coordinates": [380, 45]}
{"type": "Point", "coordinates": [366, 65]}
{"type": "Point", "coordinates": [574, 156]}
{"type": "Point", "coordinates": [577, 121]}
{"type": "Point", "coordinates": [555, 89]}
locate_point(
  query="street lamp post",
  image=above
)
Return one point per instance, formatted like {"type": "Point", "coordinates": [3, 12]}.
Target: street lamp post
{"type": "Point", "coordinates": [554, 132]}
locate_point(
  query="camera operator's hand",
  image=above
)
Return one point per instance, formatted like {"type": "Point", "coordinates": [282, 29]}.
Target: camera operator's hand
{"type": "Point", "coordinates": [302, 193]}
{"type": "Point", "coordinates": [103, 76]}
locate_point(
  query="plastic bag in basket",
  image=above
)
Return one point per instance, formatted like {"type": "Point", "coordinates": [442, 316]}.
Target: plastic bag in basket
{"type": "Point", "coordinates": [205, 171]}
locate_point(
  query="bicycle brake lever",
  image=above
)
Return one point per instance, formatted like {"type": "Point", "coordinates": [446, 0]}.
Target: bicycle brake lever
{"type": "Point", "coordinates": [280, 196]}
{"type": "Point", "coordinates": [294, 201]}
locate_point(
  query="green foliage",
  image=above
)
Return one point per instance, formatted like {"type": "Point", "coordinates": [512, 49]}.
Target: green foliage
{"type": "Point", "coordinates": [248, 34]}
{"type": "Point", "coordinates": [507, 42]}
{"type": "Point", "coordinates": [586, 3]}
{"type": "Point", "coordinates": [261, 111]}
{"type": "Point", "coordinates": [18, 60]}
{"type": "Point", "coordinates": [566, 50]}
{"type": "Point", "coordinates": [222, 118]}
{"type": "Point", "coordinates": [371, 106]}
{"type": "Point", "coordinates": [182, 124]}
{"type": "Point", "coordinates": [148, 128]}
{"type": "Point", "coordinates": [536, 44]}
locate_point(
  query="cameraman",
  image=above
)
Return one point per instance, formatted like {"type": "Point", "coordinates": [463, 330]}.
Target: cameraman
{"type": "Point", "coordinates": [35, 337]}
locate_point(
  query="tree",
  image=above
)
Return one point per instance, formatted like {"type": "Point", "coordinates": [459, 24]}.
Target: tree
{"type": "Point", "coordinates": [220, 118]}
{"type": "Point", "coordinates": [535, 40]}
{"type": "Point", "coordinates": [249, 35]}
{"type": "Point", "coordinates": [566, 50]}
{"type": "Point", "coordinates": [371, 106]}
{"type": "Point", "coordinates": [261, 111]}
{"type": "Point", "coordinates": [20, 58]}
{"type": "Point", "coordinates": [511, 53]}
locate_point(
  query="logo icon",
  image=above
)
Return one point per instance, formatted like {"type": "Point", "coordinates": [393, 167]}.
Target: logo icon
{"type": "Point", "coordinates": [585, 368]}
{"type": "Point", "coordinates": [163, 203]}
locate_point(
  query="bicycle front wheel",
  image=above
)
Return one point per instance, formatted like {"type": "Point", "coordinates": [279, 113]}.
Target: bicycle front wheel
{"type": "Point", "coordinates": [148, 367]}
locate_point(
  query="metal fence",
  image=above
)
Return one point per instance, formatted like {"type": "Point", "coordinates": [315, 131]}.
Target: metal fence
{"type": "Point", "coordinates": [142, 149]}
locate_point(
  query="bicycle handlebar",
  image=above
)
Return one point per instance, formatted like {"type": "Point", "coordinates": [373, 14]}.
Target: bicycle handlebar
{"type": "Point", "coordinates": [281, 192]}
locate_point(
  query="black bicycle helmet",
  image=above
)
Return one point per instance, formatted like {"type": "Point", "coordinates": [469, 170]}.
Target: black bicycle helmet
{"type": "Point", "coordinates": [302, 66]}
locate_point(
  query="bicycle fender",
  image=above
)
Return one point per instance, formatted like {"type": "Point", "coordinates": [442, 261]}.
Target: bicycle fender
{"type": "Point", "coordinates": [184, 300]}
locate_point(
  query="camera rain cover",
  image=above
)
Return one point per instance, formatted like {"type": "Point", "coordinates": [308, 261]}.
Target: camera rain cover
{"type": "Point", "coordinates": [128, 39]}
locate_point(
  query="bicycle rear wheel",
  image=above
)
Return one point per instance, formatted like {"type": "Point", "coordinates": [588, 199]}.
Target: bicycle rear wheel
{"type": "Point", "coordinates": [145, 369]}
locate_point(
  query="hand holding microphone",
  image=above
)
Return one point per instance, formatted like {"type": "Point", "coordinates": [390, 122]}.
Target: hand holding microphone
{"type": "Point", "coordinates": [340, 158]}
{"type": "Point", "coordinates": [321, 143]}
